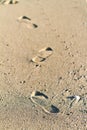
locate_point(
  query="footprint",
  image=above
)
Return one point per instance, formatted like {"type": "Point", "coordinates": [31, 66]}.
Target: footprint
{"type": "Point", "coordinates": [42, 101]}
{"type": "Point", "coordinates": [9, 2]}
{"type": "Point", "coordinates": [42, 55]}
{"type": "Point", "coordinates": [74, 100]}
{"type": "Point", "coordinates": [26, 20]}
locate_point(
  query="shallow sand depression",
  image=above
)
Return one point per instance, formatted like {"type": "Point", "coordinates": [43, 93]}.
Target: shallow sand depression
{"type": "Point", "coordinates": [60, 26]}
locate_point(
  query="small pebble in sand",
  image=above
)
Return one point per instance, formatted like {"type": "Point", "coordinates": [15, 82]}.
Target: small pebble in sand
{"type": "Point", "coordinates": [23, 82]}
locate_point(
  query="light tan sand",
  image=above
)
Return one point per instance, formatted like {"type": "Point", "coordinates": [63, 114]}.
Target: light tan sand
{"type": "Point", "coordinates": [62, 25]}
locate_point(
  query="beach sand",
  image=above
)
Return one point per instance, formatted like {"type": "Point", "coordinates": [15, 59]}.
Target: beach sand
{"type": "Point", "coordinates": [61, 25]}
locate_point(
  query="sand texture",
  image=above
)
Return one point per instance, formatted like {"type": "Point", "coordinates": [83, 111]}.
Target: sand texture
{"type": "Point", "coordinates": [60, 72]}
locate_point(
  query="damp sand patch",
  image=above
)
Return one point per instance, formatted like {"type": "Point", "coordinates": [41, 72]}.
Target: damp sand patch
{"type": "Point", "coordinates": [14, 102]}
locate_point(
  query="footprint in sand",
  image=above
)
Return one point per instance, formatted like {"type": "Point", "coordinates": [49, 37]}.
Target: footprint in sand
{"type": "Point", "coordinates": [42, 55]}
{"type": "Point", "coordinates": [27, 21]}
{"type": "Point", "coordinates": [42, 101]}
{"type": "Point", "coordinates": [74, 100]}
{"type": "Point", "coordinates": [9, 1]}
{"type": "Point", "coordinates": [67, 102]}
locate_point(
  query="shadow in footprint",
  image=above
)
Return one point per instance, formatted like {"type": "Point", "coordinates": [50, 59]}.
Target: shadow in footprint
{"type": "Point", "coordinates": [25, 17]}
{"type": "Point", "coordinates": [35, 26]}
{"type": "Point", "coordinates": [37, 93]}
{"type": "Point", "coordinates": [54, 109]}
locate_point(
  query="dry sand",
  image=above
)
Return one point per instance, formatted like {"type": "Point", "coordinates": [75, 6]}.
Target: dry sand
{"type": "Point", "coordinates": [62, 25]}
